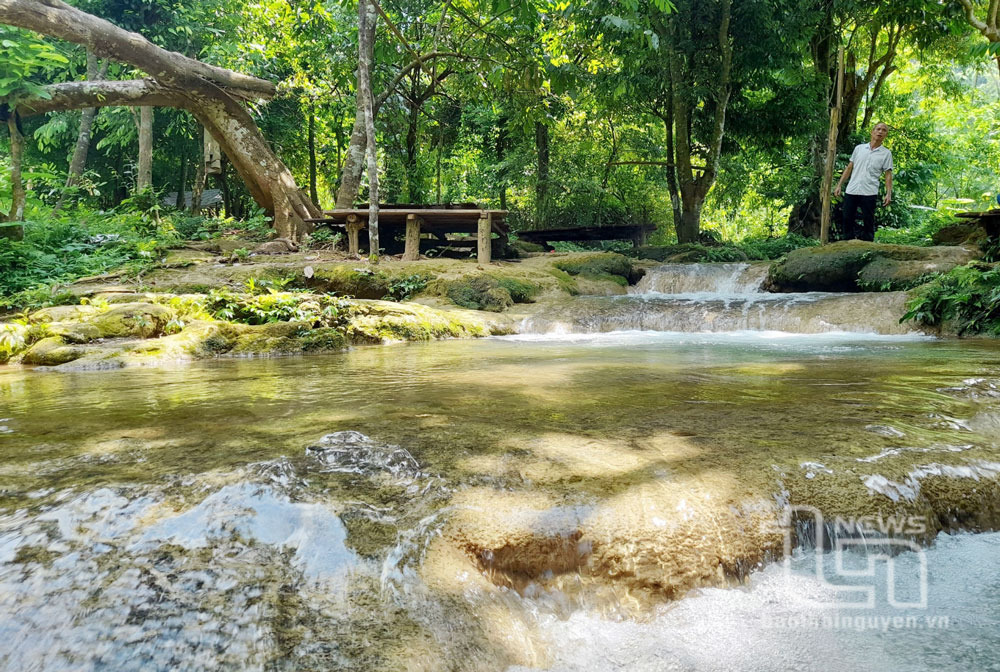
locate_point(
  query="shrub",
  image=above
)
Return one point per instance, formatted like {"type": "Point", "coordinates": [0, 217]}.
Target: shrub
{"type": "Point", "coordinates": [968, 295]}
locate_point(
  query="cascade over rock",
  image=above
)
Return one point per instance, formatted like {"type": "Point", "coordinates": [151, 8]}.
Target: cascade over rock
{"type": "Point", "coordinates": [721, 298]}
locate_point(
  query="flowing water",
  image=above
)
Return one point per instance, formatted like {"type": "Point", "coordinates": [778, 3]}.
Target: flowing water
{"type": "Point", "coordinates": [529, 502]}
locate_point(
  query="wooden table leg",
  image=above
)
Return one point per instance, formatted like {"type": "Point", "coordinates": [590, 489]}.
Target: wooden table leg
{"type": "Point", "coordinates": [484, 236]}
{"type": "Point", "coordinates": [412, 250]}
{"type": "Point", "coordinates": [354, 225]}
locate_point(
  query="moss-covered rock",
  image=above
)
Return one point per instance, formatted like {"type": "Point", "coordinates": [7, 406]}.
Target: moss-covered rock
{"type": "Point", "coordinates": [278, 338]}
{"type": "Point", "coordinates": [844, 267]}
{"type": "Point", "coordinates": [602, 266]}
{"type": "Point", "coordinates": [76, 332]}
{"type": "Point", "coordinates": [64, 313]}
{"type": "Point", "coordinates": [961, 234]}
{"type": "Point", "coordinates": [523, 247]}
{"type": "Point", "coordinates": [52, 351]}
{"type": "Point", "coordinates": [144, 320]}
{"type": "Point", "coordinates": [361, 283]}
{"type": "Point", "coordinates": [374, 322]}
{"type": "Point", "coordinates": [485, 291]}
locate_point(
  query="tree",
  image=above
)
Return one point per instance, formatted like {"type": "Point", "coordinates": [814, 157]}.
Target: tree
{"type": "Point", "coordinates": [873, 35]}
{"type": "Point", "coordinates": [213, 95]}
{"type": "Point", "coordinates": [989, 25]}
{"type": "Point", "coordinates": [82, 147]}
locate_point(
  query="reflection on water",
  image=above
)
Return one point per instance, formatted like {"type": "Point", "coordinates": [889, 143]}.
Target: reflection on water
{"type": "Point", "coordinates": [173, 517]}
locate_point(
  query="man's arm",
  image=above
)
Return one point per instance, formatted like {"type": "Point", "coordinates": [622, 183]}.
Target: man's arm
{"type": "Point", "coordinates": [843, 178]}
{"type": "Point", "coordinates": [888, 188]}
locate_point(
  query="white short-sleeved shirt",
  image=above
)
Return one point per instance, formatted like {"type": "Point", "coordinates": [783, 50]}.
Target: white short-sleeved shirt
{"type": "Point", "coordinates": [869, 164]}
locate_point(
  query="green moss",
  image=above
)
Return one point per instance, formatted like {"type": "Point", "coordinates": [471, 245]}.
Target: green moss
{"type": "Point", "coordinates": [366, 283]}
{"type": "Point", "coordinates": [52, 351]}
{"type": "Point", "coordinates": [521, 291]}
{"type": "Point", "coordinates": [480, 292]}
{"type": "Point", "coordinates": [523, 246]}
{"type": "Point", "coordinates": [600, 265]}
{"type": "Point", "coordinates": [144, 320]}
{"type": "Point", "coordinates": [566, 281]}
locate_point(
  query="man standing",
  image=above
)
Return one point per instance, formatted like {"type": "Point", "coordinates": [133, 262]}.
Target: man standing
{"type": "Point", "coordinates": [867, 164]}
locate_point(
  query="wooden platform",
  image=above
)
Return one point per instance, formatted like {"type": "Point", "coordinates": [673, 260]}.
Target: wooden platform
{"type": "Point", "coordinates": [637, 233]}
{"type": "Point", "coordinates": [989, 220]}
{"type": "Point", "coordinates": [414, 222]}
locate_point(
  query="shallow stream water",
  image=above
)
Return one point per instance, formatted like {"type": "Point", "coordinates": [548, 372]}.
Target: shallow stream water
{"type": "Point", "coordinates": [350, 511]}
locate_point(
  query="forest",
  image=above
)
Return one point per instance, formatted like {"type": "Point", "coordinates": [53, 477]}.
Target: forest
{"type": "Point", "coordinates": [709, 119]}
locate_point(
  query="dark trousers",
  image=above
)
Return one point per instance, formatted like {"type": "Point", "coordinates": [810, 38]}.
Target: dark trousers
{"type": "Point", "coordinates": [866, 231]}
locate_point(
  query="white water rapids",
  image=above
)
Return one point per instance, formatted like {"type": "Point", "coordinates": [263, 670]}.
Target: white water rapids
{"type": "Point", "coordinates": [722, 298]}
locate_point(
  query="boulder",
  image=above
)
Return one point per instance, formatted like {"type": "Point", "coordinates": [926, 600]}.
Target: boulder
{"type": "Point", "coordinates": [52, 351]}
{"type": "Point", "coordinates": [276, 246]}
{"type": "Point", "coordinates": [856, 265]}
{"type": "Point", "coordinates": [144, 320]}
{"type": "Point", "coordinates": [961, 234]}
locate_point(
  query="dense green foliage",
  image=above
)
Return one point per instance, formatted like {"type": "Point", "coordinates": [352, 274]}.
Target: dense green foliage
{"type": "Point", "coordinates": [967, 296]}
{"type": "Point", "coordinates": [58, 250]}
{"type": "Point", "coordinates": [562, 112]}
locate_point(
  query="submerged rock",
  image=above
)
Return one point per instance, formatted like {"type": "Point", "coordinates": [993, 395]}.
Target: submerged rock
{"type": "Point", "coordinates": [353, 452]}
{"type": "Point", "coordinates": [855, 265]}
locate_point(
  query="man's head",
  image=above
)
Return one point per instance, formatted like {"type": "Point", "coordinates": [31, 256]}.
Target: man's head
{"type": "Point", "coordinates": [879, 132]}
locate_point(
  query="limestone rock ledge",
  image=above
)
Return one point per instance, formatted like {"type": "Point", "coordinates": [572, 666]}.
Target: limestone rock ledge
{"type": "Point", "coordinates": [855, 265]}
{"type": "Point", "coordinates": [156, 330]}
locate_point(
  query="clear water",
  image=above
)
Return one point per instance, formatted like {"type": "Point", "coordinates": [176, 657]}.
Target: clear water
{"type": "Point", "coordinates": [194, 518]}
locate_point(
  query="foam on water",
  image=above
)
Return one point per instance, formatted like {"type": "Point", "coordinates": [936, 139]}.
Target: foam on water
{"type": "Point", "coordinates": [792, 619]}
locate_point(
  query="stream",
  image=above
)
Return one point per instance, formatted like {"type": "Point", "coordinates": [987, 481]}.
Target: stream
{"type": "Point", "coordinates": [599, 492]}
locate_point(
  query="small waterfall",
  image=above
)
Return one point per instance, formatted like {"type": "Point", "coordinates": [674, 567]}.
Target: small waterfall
{"type": "Point", "coordinates": [722, 298]}
{"type": "Point", "coordinates": [722, 279]}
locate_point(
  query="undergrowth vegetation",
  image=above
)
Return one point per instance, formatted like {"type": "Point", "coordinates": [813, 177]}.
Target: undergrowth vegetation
{"type": "Point", "coordinates": [968, 297]}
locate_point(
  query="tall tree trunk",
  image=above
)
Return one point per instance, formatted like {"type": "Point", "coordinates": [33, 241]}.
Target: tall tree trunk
{"type": "Point", "coordinates": [211, 93]}
{"type": "Point", "coordinates": [198, 188]}
{"type": "Point", "coordinates": [366, 49]}
{"type": "Point", "coordinates": [694, 182]}
{"type": "Point", "coordinates": [79, 160]}
{"type": "Point", "coordinates": [17, 200]}
{"type": "Point", "coordinates": [313, 191]}
{"type": "Point", "coordinates": [414, 193]}
{"type": "Point", "coordinates": [501, 153]}
{"type": "Point", "coordinates": [180, 201]}
{"type": "Point", "coordinates": [542, 181]}
{"type": "Point", "coordinates": [227, 195]}
{"type": "Point", "coordinates": [437, 170]}
{"type": "Point", "coordinates": [354, 159]}
{"type": "Point", "coordinates": [144, 177]}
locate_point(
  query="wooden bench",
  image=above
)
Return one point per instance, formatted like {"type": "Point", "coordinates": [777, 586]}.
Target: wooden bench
{"type": "Point", "coordinates": [416, 220]}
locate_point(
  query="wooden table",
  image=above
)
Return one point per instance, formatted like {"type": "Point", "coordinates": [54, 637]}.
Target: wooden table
{"type": "Point", "coordinates": [416, 220]}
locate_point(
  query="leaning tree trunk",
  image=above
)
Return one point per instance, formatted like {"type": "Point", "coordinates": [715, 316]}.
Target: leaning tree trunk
{"type": "Point", "coordinates": [211, 93]}
{"type": "Point", "coordinates": [144, 176]}
{"type": "Point", "coordinates": [82, 148]}
{"type": "Point", "coordinates": [16, 183]}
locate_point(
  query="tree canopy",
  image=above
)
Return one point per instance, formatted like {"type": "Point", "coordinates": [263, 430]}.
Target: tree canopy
{"type": "Point", "coordinates": [698, 116]}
